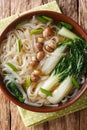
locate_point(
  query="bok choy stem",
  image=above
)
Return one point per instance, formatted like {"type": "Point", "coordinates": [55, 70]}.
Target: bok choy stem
{"type": "Point", "coordinates": [67, 33]}
{"type": "Point", "coordinates": [53, 59]}
{"type": "Point", "coordinates": [61, 91]}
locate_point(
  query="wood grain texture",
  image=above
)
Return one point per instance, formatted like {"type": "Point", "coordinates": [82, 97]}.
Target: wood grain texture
{"type": "Point", "coordinates": [4, 113]}
{"type": "Point", "coordinates": [83, 119]}
{"type": "Point", "coordinates": [69, 8]}
{"type": "Point", "coordinates": [58, 124]}
{"type": "Point", "coordinates": [83, 14]}
{"type": "Point", "coordinates": [9, 116]}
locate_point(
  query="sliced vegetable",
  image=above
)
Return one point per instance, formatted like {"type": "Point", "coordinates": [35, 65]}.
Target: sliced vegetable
{"type": "Point", "coordinates": [67, 41]}
{"type": "Point", "coordinates": [47, 18]}
{"type": "Point", "coordinates": [12, 67]}
{"type": "Point", "coordinates": [49, 84]}
{"type": "Point", "coordinates": [48, 93]}
{"type": "Point", "coordinates": [41, 19]}
{"type": "Point", "coordinates": [22, 23]}
{"type": "Point", "coordinates": [36, 31]}
{"type": "Point", "coordinates": [15, 91]}
{"type": "Point", "coordinates": [64, 24]}
{"type": "Point", "coordinates": [61, 91]}
{"type": "Point", "coordinates": [53, 59]}
{"type": "Point", "coordinates": [75, 83]}
{"type": "Point", "coordinates": [28, 81]}
{"type": "Point", "coordinates": [67, 33]}
{"type": "Point", "coordinates": [18, 45]}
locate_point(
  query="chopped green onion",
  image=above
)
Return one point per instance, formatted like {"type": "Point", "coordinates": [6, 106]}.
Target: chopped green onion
{"type": "Point", "coordinates": [47, 18]}
{"type": "Point", "coordinates": [28, 81]}
{"type": "Point", "coordinates": [48, 93]}
{"type": "Point", "coordinates": [18, 45]}
{"type": "Point", "coordinates": [66, 42]}
{"type": "Point", "coordinates": [12, 66]}
{"type": "Point", "coordinates": [75, 83]}
{"type": "Point", "coordinates": [22, 23]}
{"type": "Point", "coordinates": [36, 31]}
{"type": "Point", "coordinates": [41, 19]}
{"type": "Point", "coordinates": [64, 24]}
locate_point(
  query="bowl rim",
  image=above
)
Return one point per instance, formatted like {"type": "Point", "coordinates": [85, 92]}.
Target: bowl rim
{"type": "Point", "coordinates": [2, 84]}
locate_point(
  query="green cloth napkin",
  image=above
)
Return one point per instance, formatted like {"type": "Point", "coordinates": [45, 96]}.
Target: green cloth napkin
{"type": "Point", "coordinates": [30, 118]}
{"type": "Point", "coordinates": [50, 6]}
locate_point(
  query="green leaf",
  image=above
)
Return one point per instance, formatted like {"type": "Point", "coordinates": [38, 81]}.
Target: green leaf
{"type": "Point", "coordinates": [74, 62]}
{"type": "Point", "coordinates": [12, 67]}
{"type": "Point", "coordinates": [28, 81]}
{"type": "Point", "coordinates": [18, 41]}
{"type": "Point", "coordinates": [48, 93]}
{"type": "Point", "coordinates": [13, 88]}
{"type": "Point", "coordinates": [36, 31]}
{"type": "Point", "coordinates": [75, 83]}
{"type": "Point", "coordinates": [21, 99]}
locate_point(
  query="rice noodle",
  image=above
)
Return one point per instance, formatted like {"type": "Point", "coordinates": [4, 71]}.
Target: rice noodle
{"type": "Point", "coordinates": [9, 53]}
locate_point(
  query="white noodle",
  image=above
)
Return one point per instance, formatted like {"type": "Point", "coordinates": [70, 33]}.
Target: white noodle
{"type": "Point", "coordinates": [9, 53]}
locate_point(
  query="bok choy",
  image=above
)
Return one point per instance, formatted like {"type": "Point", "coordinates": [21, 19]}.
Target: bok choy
{"type": "Point", "coordinates": [62, 90]}
{"type": "Point", "coordinates": [67, 33]}
{"type": "Point", "coordinates": [65, 74]}
{"type": "Point", "coordinates": [53, 59]}
{"type": "Point", "coordinates": [15, 91]}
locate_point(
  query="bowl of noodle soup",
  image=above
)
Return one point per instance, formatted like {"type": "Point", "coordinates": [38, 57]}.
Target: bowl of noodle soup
{"type": "Point", "coordinates": [42, 61]}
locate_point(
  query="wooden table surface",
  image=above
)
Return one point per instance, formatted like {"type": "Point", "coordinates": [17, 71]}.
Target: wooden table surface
{"type": "Point", "coordinates": [9, 116]}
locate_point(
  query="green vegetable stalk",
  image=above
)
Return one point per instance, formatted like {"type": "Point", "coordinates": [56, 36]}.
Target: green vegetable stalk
{"type": "Point", "coordinates": [44, 19]}
{"type": "Point", "coordinates": [28, 81]}
{"type": "Point", "coordinates": [12, 66]}
{"type": "Point", "coordinates": [48, 93]}
{"type": "Point", "coordinates": [64, 24]}
{"type": "Point", "coordinates": [67, 33]}
{"type": "Point", "coordinates": [22, 23]}
{"type": "Point", "coordinates": [36, 31]}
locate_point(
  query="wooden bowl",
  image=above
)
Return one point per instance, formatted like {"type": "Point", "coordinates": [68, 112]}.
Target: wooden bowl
{"type": "Point", "coordinates": [56, 17]}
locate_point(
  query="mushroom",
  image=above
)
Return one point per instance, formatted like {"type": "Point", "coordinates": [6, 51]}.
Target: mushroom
{"type": "Point", "coordinates": [39, 45]}
{"type": "Point", "coordinates": [47, 32]}
{"type": "Point", "coordinates": [40, 39]}
{"type": "Point", "coordinates": [40, 55]}
{"type": "Point", "coordinates": [34, 62]}
{"type": "Point", "coordinates": [35, 76]}
{"type": "Point", "coordinates": [49, 48]}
